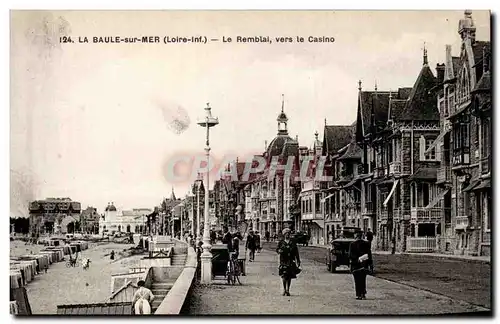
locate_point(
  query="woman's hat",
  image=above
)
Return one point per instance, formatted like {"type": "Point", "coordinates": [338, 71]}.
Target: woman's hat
{"type": "Point", "coordinates": [286, 230]}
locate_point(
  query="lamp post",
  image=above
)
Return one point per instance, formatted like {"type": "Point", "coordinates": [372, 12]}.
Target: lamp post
{"type": "Point", "coordinates": [206, 256]}
{"type": "Point", "coordinates": [198, 228]}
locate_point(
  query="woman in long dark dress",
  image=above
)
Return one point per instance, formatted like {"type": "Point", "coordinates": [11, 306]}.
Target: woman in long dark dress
{"type": "Point", "coordinates": [289, 261]}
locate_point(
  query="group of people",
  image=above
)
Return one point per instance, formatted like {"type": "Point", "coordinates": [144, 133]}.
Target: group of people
{"type": "Point", "coordinates": [360, 257]}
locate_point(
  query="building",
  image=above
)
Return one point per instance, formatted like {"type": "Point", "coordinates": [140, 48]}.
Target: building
{"type": "Point", "coordinates": [124, 221]}
{"type": "Point", "coordinates": [89, 221]}
{"type": "Point", "coordinates": [167, 206]}
{"type": "Point", "coordinates": [395, 129]}
{"type": "Point", "coordinates": [336, 141]}
{"type": "Point", "coordinates": [53, 215]}
{"type": "Point", "coordinates": [311, 195]}
{"type": "Point", "coordinates": [464, 174]}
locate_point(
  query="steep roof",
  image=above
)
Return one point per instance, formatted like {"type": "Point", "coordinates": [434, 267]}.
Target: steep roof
{"type": "Point", "coordinates": [484, 83]}
{"type": "Point", "coordinates": [397, 107]}
{"type": "Point", "coordinates": [421, 104]}
{"type": "Point", "coordinates": [335, 137]}
{"type": "Point", "coordinates": [373, 107]}
{"type": "Point", "coordinates": [353, 152]}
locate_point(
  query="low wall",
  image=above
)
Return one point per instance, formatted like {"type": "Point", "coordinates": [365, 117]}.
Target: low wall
{"type": "Point", "coordinates": [177, 295]}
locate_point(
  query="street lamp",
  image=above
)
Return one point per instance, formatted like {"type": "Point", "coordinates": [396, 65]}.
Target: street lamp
{"type": "Point", "coordinates": [198, 220]}
{"type": "Point", "coordinates": [206, 256]}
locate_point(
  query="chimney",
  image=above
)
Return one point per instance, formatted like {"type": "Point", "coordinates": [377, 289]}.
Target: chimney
{"type": "Point", "coordinates": [440, 72]}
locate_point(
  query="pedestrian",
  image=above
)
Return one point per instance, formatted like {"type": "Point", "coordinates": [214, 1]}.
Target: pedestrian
{"type": "Point", "coordinates": [267, 235]}
{"type": "Point", "coordinates": [213, 236]}
{"type": "Point", "coordinates": [227, 238]}
{"type": "Point", "coordinates": [143, 298]}
{"type": "Point", "coordinates": [369, 236]}
{"type": "Point", "coordinates": [112, 255]}
{"type": "Point", "coordinates": [289, 261]}
{"type": "Point", "coordinates": [236, 244]}
{"type": "Point", "coordinates": [360, 256]}
{"type": "Point", "coordinates": [393, 243]}
{"type": "Point", "coordinates": [251, 245]}
{"type": "Point", "coordinates": [257, 242]}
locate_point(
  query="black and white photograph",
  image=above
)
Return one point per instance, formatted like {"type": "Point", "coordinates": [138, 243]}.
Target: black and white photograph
{"type": "Point", "coordinates": [251, 162]}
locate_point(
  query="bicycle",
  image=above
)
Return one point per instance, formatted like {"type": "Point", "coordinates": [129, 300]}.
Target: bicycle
{"type": "Point", "coordinates": [233, 270]}
{"type": "Point", "coordinates": [72, 263]}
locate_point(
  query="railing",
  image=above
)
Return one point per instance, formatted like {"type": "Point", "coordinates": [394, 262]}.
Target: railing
{"type": "Point", "coordinates": [485, 165]}
{"type": "Point", "coordinates": [421, 244]}
{"type": "Point", "coordinates": [443, 174]}
{"type": "Point", "coordinates": [462, 222]}
{"type": "Point", "coordinates": [395, 168]}
{"type": "Point", "coordinates": [425, 214]}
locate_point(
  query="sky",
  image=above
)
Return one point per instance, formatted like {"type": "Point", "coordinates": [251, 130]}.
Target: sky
{"type": "Point", "coordinates": [99, 122]}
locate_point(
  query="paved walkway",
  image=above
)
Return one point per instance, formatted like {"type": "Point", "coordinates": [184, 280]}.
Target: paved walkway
{"type": "Point", "coordinates": [316, 291]}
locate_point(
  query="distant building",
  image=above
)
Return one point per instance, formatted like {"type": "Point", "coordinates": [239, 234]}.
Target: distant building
{"type": "Point", "coordinates": [53, 215]}
{"type": "Point", "coordinates": [89, 221]}
{"type": "Point", "coordinates": [123, 221]}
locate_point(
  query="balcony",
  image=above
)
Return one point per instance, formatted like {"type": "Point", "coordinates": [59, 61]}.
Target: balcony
{"type": "Point", "coordinates": [379, 172]}
{"type": "Point", "coordinates": [369, 208]}
{"type": "Point", "coordinates": [462, 222]}
{"type": "Point", "coordinates": [443, 174]}
{"type": "Point", "coordinates": [422, 214]}
{"type": "Point", "coordinates": [395, 168]}
{"type": "Point", "coordinates": [485, 165]}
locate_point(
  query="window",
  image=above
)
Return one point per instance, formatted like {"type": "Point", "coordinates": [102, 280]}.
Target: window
{"type": "Point", "coordinates": [432, 154]}
{"type": "Point", "coordinates": [487, 215]}
{"type": "Point", "coordinates": [413, 194]}
{"type": "Point", "coordinates": [425, 194]}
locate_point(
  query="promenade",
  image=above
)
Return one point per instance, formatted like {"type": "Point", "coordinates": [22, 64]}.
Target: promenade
{"type": "Point", "coordinates": [315, 292]}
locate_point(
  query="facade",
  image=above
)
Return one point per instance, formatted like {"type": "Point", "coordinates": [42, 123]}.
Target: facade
{"type": "Point", "coordinates": [426, 155]}
{"type": "Point", "coordinates": [311, 195]}
{"type": "Point", "coordinates": [336, 141]}
{"type": "Point", "coordinates": [53, 215]}
{"type": "Point", "coordinates": [167, 207]}
{"type": "Point", "coordinates": [123, 221]}
{"type": "Point", "coordinates": [465, 142]}
{"type": "Point", "coordinates": [89, 221]}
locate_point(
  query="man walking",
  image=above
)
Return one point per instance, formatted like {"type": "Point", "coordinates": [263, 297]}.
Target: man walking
{"type": "Point", "coordinates": [360, 256]}
{"type": "Point", "coordinates": [369, 236]}
{"type": "Point", "coordinates": [227, 238]}
{"type": "Point", "coordinates": [251, 245]}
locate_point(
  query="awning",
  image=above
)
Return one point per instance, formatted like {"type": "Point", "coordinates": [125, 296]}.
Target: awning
{"type": "Point", "coordinates": [391, 193]}
{"type": "Point", "coordinates": [472, 185]}
{"type": "Point", "coordinates": [437, 199]}
{"type": "Point", "coordinates": [485, 184]}
{"type": "Point", "coordinates": [326, 198]}
{"type": "Point", "coordinates": [437, 141]}
{"type": "Point", "coordinates": [319, 222]}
